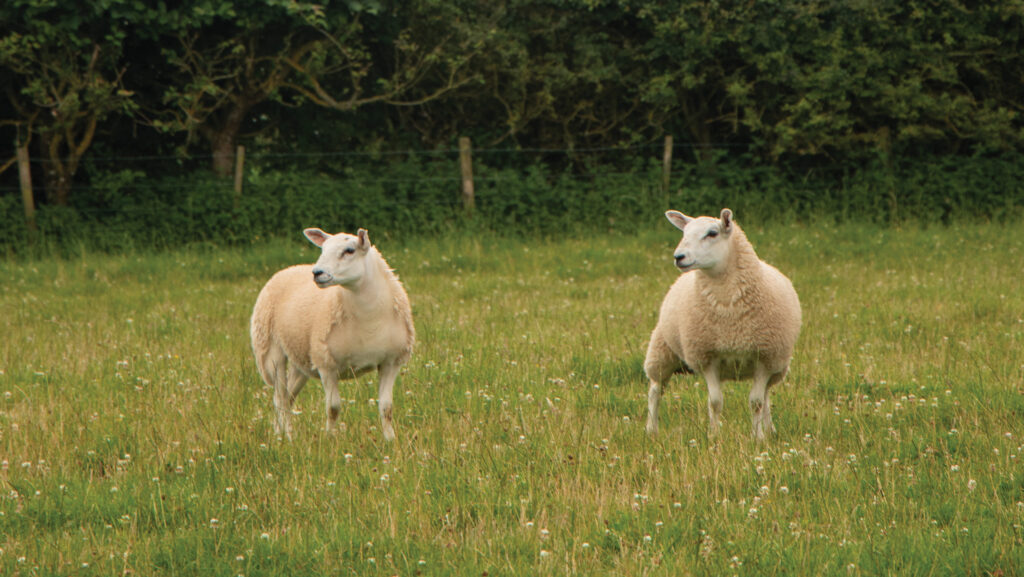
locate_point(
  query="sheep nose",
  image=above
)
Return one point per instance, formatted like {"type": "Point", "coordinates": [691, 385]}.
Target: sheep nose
{"type": "Point", "coordinates": [679, 259]}
{"type": "Point", "coordinates": [317, 272]}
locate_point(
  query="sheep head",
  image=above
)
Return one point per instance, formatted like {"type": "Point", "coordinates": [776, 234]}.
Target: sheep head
{"type": "Point", "coordinates": [705, 243]}
{"type": "Point", "coordinates": [342, 258]}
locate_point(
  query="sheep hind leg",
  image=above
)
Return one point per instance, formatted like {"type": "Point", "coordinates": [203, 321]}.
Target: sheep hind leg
{"type": "Point", "coordinates": [766, 418]}
{"type": "Point", "coordinates": [715, 398]}
{"type": "Point", "coordinates": [760, 406]}
{"type": "Point", "coordinates": [387, 374]}
{"type": "Point", "coordinates": [658, 365]}
{"type": "Point", "coordinates": [332, 400]}
{"type": "Point", "coordinates": [296, 381]}
{"type": "Point", "coordinates": [276, 371]}
{"type": "Point", "coordinates": [653, 397]}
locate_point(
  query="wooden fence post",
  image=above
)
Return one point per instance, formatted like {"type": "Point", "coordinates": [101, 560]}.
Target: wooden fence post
{"type": "Point", "coordinates": [239, 169]}
{"type": "Point", "coordinates": [466, 164]}
{"type": "Point", "coordinates": [25, 175]}
{"type": "Point", "coordinates": [666, 165]}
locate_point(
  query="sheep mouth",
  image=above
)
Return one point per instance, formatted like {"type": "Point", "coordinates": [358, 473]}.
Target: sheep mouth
{"type": "Point", "coordinates": [685, 267]}
{"type": "Point", "coordinates": [323, 281]}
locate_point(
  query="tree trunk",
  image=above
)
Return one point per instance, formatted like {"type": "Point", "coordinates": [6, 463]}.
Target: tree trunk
{"type": "Point", "coordinates": [224, 138]}
{"type": "Point", "coordinates": [58, 170]}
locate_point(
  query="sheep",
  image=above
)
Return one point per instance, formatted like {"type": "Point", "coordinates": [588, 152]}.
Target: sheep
{"type": "Point", "coordinates": [729, 315]}
{"type": "Point", "coordinates": [339, 318]}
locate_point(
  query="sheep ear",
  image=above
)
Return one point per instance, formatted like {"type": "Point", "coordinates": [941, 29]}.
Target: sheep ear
{"type": "Point", "coordinates": [678, 219]}
{"type": "Point", "coordinates": [364, 239]}
{"type": "Point", "coordinates": [316, 236]}
{"type": "Point", "coordinates": [726, 220]}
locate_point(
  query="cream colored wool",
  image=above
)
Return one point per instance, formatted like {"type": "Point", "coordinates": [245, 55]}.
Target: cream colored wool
{"type": "Point", "coordinates": [344, 316]}
{"type": "Point", "coordinates": [729, 316]}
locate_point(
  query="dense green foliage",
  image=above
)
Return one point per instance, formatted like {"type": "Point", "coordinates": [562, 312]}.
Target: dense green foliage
{"type": "Point", "coordinates": [881, 110]}
{"type": "Point", "coordinates": [136, 436]}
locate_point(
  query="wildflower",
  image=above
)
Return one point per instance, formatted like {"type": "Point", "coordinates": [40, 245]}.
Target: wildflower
{"type": "Point", "coordinates": [784, 490]}
{"type": "Point", "coordinates": [972, 485]}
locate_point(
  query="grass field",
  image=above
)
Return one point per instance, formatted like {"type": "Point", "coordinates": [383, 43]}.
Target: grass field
{"type": "Point", "coordinates": [136, 436]}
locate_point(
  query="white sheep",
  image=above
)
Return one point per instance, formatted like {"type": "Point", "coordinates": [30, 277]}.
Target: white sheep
{"type": "Point", "coordinates": [733, 317]}
{"type": "Point", "coordinates": [344, 316]}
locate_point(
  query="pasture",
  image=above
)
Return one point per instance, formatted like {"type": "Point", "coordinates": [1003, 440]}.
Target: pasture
{"type": "Point", "coordinates": [136, 436]}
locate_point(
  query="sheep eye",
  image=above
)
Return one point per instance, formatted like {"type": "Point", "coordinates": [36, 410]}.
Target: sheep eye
{"type": "Point", "coordinates": [350, 250]}
{"type": "Point", "coordinates": [711, 234]}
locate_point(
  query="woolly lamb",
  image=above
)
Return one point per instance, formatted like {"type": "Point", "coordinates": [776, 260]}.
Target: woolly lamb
{"type": "Point", "coordinates": [344, 316]}
{"type": "Point", "coordinates": [733, 317]}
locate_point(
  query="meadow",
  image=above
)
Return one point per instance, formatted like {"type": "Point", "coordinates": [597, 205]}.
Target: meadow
{"type": "Point", "coordinates": [136, 436]}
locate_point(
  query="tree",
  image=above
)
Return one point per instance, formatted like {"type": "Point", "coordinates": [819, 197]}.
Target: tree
{"type": "Point", "coordinates": [240, 54]}
{"type": "Point", "coordinates": [68, 77]}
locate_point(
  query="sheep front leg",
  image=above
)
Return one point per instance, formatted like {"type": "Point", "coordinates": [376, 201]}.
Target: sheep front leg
{"type": "Point", "coordinates": [387, 374]}
{"type": "Point", "coordinates": [715, 398]}
{"type": "Point", "coordinates": [332, 400]}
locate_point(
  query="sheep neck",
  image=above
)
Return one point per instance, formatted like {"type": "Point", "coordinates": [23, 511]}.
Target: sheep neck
{"type": "Point", "coordinates": [736, 282]}
{"type": "Point", "coordinates": [370, 295]}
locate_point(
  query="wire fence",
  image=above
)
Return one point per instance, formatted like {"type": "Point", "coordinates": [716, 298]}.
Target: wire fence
{"type": "Point", "coordinates": [492, 164]}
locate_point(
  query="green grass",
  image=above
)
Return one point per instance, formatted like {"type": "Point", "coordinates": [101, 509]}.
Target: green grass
{"type": "Point", "coordinates": [135, 434]}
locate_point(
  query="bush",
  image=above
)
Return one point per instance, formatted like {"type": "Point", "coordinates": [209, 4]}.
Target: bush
{"type": "Point", "coordinates": [419, 196]}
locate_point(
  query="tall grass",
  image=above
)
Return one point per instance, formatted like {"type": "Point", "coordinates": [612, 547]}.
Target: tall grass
{"type": "Point", "coordinates": [135, 434]}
